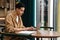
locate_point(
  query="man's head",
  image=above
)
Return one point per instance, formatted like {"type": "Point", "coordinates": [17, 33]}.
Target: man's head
{"type": "Point", "coordinates": [20, 8]}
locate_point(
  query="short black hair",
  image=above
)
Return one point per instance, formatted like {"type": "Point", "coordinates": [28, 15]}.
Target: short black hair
{"type": "Point", "coordinates": [19, 5]}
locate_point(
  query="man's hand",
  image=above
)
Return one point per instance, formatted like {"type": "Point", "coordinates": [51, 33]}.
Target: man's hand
{"type": "Point", "coordinates": [30, 28]}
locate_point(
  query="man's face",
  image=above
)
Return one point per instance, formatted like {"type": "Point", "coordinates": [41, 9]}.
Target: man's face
{"type": "Point", "coordinates": [20, 11]}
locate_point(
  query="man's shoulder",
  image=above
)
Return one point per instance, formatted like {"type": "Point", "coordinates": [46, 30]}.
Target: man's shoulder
{"type": "Point", "coordinates": [10, 13]}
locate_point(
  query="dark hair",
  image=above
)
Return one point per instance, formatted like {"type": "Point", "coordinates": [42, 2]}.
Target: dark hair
{"type": "Point", "coordinates": [19, 5]}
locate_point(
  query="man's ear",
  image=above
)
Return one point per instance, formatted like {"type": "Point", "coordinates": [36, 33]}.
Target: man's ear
{"type": "Point", "coordinates": [16, 8]}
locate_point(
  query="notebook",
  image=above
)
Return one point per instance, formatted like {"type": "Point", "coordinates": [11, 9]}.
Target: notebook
{"type": "Point", "coordinates": [26, 32]}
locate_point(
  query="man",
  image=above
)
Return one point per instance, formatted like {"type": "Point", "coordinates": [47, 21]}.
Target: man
{"type": "Point", "coordinates": [14, 22]}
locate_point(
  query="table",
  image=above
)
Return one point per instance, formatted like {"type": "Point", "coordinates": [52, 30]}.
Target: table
{"type": "Point", "coordinates": [51, 28]}
{"type": "Point", "coordinates": [38, 34]}
{"type": "Point", "coordinates": [46, 34]}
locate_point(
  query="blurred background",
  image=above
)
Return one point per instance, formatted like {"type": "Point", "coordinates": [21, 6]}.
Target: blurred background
{"type": "Point", "coordinates": [44, 12]}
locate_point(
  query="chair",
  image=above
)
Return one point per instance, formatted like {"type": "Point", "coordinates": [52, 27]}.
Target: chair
{"type": "Point", "coordinates": [48, 28]}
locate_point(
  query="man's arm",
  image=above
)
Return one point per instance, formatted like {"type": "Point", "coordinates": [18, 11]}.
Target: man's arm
{"type": "Point", "coordinates": [9, 24]}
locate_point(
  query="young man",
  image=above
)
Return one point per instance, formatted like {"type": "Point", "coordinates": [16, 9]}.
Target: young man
{"type": "Point", "coordinates": [14, 22]}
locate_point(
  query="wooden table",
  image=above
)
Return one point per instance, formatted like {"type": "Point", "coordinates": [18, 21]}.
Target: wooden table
{"type": "Point", "coordinates": [45, 34]}
{"type": "Point", "coordinates": [37, 34]}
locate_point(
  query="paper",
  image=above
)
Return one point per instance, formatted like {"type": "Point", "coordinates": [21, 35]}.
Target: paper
{"type": "Point", "coordinates": [26, 32]}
